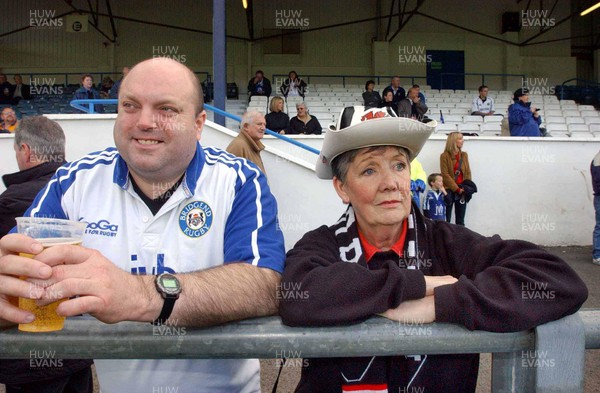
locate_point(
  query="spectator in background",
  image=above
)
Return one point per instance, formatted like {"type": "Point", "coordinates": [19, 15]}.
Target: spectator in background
{"type": "Point", "coordinates": [482, 104]}
{"type": "Point", "coordinates": [396, 89]}
{"type": "Point", "coordinates": [418, 176]}
{"type": "Point", "coordinates": [88, 92]}
{"type": "Point", "coordinates": [5, 90]}
{"type": "Point", "coordinates": [293, 86]}
{"type": "Point", "coordinates": [455, 168]}
{"type": "Point", "coordinates": [371, 98]}
{"type": "Point", "coordinates": [259, 85]}
{"type": "Point", "coordinates": [40, 151]}
{"type": "Point", "coordinates": [595, 169]}
{"type": "Point", "coordinates": [107, 84]}
{"type": "Point", "coordinates": [114, 90]}
{"type": "Point", "coordinates": [9, 119]}
{"type": "Point", "coordinates": [247, 144]}
{"type": "Point", "coordinates": [388, 103]}
{"type": "Point", "coordinates": [523, 118]}
{"type": "Point", "coordinates": [421, 95]}
{"type": "Point", "coordinates": [277, 119]}
{"type": "Point", "coordinates": [434, 206]}
{"type": "Point", "coordinates": [303, 122]}
{"type": "Point", "coordinates": [411, 106]}
{"type": "Point", "coordinates": [20, 90]}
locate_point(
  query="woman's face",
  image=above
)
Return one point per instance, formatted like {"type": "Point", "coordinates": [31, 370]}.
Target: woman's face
{"type": "Point", "coordinates": [292, 76]}
{"type": "Point", "coordinates": [279, 106]}
{"type": "Point", "coordinates": [459, 142]}
{"type": "Point", "coordinates": [389, 97]}
{"type": "Point", "coordinates": [378, 187]}
{"type": "Point", "coordinates": [370, 87]}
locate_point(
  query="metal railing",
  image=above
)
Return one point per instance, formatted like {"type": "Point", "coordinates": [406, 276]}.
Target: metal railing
{"type": "Point", "coordinates": [87, 106]}
{"type": "Point", "coordinates": [363, 78]}
{"type": "Point", "coordinates": [547, 359]}
{"type": "Point", "coordinates": [41, 78]}
{"type": "Point", "coordinates": [482, 75]}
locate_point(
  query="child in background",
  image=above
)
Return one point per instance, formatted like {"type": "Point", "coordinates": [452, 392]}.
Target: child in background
{"type": "Point", "coordinates": [434, 206]}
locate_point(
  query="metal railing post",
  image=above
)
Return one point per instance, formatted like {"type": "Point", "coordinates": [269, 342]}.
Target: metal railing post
{"type": "Point", "coordinates": [508, 375]}
{"type": "Point", "coordinates": [559, 356]}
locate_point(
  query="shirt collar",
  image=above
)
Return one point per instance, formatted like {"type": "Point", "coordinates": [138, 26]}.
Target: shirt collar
{"type": "Point", "coordinates": [371, 250]}
{"type": "Point", "coordinates": [190, 180]}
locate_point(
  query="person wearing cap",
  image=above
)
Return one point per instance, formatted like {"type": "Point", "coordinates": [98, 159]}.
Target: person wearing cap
{"type": "Point", "coordinates": [523, 118]}
{"type": "Point", "coordinates": [383, 257]}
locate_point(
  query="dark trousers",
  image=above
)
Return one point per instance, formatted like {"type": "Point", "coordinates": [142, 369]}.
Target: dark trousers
{"type": "Point", "coordinates": [461, 209]}
{"type": "Point", "coordinates": [78, 382]}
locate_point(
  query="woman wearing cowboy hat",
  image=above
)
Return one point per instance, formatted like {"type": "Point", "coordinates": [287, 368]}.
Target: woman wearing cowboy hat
{"type": "Point", "coordinates": [384, 258]}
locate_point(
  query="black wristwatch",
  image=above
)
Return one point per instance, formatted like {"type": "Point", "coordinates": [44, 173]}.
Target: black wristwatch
{"type": "Point", "coordinates": [169, 288]}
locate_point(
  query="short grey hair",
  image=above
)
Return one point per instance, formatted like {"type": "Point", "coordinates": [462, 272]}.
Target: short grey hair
{"type": "Point", "coordinates": [302, 104]}
{"type": "Point", "coordinates": [45, 138]}
{"type": "Point", "coordinates": [340, 164]}
{"type": "Point", "coordinates": [249, 116]}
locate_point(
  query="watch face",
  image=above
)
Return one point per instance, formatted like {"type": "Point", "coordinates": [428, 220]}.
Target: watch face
{"type": "Point", "coordinates": [169, 284]}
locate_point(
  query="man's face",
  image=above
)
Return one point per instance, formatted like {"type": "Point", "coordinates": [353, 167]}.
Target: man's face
{"type": "Point", "coordinates": [524, 98]}
{"type": "Point", "coordinates": [484, 92]}
{"type": "Point", "coordinates": [8, 116]}
{"type": "Point", "coordinates": [395, 82]}
{"type": "Point", "coordinates": [256, 129]}
{"type": "Point", "coordinates": [157, 129]}
{"type": "Point", "coordinates": [413, 93]}
{"type": "Point", "coordinates": [87, 82]}
{"type": "Point", "coordinates": [18, 79]}
{"type": "Point", "coordinates": [259, 76]}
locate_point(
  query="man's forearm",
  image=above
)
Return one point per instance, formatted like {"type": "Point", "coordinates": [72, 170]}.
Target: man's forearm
{"type": "Point", "coordinates": [222, 294]}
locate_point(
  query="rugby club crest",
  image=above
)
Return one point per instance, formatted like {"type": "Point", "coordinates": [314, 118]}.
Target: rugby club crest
{"type": "Point", "coordinates": [195, 219]}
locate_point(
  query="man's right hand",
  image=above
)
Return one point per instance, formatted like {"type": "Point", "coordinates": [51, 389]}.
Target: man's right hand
{"type": "Point", "coordinates": [12, 266]}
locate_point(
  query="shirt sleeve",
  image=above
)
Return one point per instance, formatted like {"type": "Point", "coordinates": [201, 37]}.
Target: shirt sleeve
{"type": "Point", "coordinates": [503, 285]}
{"type": "Point", "coordinates": [252, 232]}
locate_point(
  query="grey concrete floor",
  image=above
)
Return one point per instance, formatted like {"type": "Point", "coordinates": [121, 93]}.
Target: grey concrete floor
{"type": "Point", "coordinates": [579, 258]}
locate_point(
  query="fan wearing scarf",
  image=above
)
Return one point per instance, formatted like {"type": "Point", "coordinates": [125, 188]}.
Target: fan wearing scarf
{"type": "Point", "coordinates": [383, 257]}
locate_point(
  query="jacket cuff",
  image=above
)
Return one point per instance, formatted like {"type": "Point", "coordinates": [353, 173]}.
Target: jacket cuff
{"type": "Point", "coordinates": [414, 287]}
{"type": "Point", "coordinates": [448, 307]}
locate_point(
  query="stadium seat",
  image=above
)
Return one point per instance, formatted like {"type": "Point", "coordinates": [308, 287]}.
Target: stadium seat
{"type": "Point", "coordinates": [574, 120]}
{"type": "Point", "coordinates": [554, 119]}
{"type": "Point", "coordinates": [446, 128]}
{"type": "Point", "coordinates": [490, 129]}
{"type": "Point", "coordinates": [557, 130]}
{"type": "Point", "coordinates": [473, 119]}
{"type": "Point", "coordinates": [472, 128]}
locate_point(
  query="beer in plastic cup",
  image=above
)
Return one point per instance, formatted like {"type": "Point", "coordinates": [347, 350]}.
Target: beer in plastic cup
{"type": "Point", "coordinates": [49, 232]}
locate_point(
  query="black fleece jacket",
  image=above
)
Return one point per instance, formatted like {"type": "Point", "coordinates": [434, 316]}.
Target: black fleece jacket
{"type": "Point", "coordinates": [503, 286]}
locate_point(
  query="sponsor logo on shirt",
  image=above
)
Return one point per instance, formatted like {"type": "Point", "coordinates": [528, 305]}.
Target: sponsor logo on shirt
{"type": "Point", "coordinates": [195, 219]}
{"type": "Point", "coordinates": [101, 228]}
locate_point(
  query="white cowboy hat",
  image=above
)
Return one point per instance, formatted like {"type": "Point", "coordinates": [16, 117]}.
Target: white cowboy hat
{"type": "Point", "coordinates": [358, 127]}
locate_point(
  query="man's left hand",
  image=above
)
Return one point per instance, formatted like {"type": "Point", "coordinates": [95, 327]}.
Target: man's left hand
{"type": "Point", "coordinates": [413, 311]}
{"type": "Point", "coordinates": [105, 291]}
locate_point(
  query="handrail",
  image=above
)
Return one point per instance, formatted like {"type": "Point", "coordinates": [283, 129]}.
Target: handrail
{"type": "Point", "coordinates": [365, 77]}
{"type": "Point", "coordinates": [586, 81]}
{"type": "Point", "coordinates": [517, 356]}
{"type": "Point", "coordinates": [483, 75]}
{"type": "Point", "coordinates": [79, 104]}
{"type": "Point", "coordinates": [79, 74]}
{"type": "Point", "coordinates": [272, 133]}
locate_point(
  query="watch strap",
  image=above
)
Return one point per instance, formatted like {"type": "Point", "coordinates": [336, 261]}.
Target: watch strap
{"type": "Point", "coordinates": [166, 311]}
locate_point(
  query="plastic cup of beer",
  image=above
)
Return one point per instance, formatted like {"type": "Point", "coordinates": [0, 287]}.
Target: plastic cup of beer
{"type": "Point", "coordinates": [49, 232]}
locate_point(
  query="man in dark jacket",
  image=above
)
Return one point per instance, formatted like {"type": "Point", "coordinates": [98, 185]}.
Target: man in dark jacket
{"type": "Point", "coordinates": [259, 85]}
{"type": "Point", "coordinates": [595, 169]}
{"type": "Point", "coordinates": [523, 118]}
{"type": "Point", "coordinates": [396, 89]}
{"type": "Point", "coordinates": [40, 150]}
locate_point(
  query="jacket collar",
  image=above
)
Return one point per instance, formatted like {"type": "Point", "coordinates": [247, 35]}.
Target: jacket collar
{"type": "Point", "coordinates": [30, 174]}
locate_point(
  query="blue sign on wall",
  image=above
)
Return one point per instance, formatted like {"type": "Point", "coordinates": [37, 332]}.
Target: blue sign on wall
{"type": "Point", "coordinates": [446, 69]}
